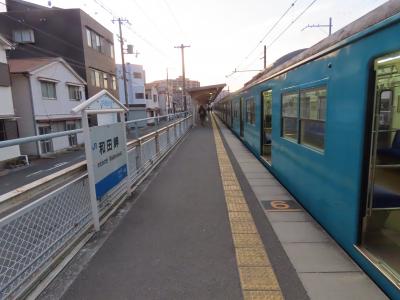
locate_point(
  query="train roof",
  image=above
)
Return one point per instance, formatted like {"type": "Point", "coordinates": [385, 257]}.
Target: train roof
{"type": "Point", "coordinates": [326, 45]}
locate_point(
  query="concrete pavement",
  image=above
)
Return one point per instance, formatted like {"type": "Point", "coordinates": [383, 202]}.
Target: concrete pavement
{"type": "Point", "coordinates": [175, 242]}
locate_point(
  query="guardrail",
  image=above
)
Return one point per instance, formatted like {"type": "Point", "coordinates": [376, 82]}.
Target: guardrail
{"type": "Point", "coordinates": [33, 236]}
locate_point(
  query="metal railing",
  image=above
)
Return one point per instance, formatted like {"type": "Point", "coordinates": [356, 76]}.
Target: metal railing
{"type": "Point", "coordinates": [136, 124]}
{"type": "Point", "coordinates": [34, 235]}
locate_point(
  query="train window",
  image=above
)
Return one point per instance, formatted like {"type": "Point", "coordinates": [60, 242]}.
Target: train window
{"type": "Point", "coordinates": [290, 115]}
{"type": "Point", "coordinates": [250, 111]}
{"type": "Point", "coordinates": [312, 117]}
{"type": "Point", "coordinates": [235, 110]}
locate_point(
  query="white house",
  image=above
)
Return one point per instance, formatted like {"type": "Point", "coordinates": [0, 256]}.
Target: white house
{"type": "Point", "coordinates": [8, 123]}
{"type": "Point", "coordinates": [44, 92]}
{"type": "Point", "coordinates": [152, 103]}
{"type": "Point", "coordinates": [135, 84]}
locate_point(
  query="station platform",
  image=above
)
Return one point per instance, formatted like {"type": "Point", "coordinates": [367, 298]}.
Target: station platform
{"type": "Point", "coordinates": [206, 224]}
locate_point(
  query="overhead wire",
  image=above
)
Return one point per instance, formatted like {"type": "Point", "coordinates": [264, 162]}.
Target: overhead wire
{"type": "Point", "coordinates": [291, 23]}
{"type": "Point", "coordinates": [174, 17]}
{"type": "Point", "coordinates": [269, 31]}
{"type": "Point", "coordinates": [150, 19]}
{"type": "Point", "coordinates": [284, 30]}
{"type": "Point", "coordinates": [109, 11]}
{"type": "Point", "coordinates": [266, 35]}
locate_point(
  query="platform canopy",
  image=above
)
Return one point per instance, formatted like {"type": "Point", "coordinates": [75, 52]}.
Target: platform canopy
{"type": "Point", "coordinates": [205, 94]}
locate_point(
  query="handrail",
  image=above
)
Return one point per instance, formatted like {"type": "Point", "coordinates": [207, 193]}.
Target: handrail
{"type": "Point", "coordinates": [29, 139]}
{"type": "Point", "coordinates": [44, 181]}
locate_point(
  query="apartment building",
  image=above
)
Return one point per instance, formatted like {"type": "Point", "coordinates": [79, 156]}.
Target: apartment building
{"type": "Point", "coordinates": [174, 88]}
{"type": "Point", "coordinates": [86, 45]}
{"type": "Point", "coordinates": [135, 84]}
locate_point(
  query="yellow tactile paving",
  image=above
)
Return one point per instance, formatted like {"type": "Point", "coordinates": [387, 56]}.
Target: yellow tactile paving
{"type": "Point", "coordinates": [234, 193]}
{"type": "Point", "coordinates": [240, 216]}
{"type": "Point", "coordinates": [257, 278]}
{"type": "Point", "coordinates": [262, 295]}
{"type": "Point", "coordinates": [251, 257]}
{"type": "Point", "coordinates": [237, 206]}
{"type": "Point", "coordinates": [235, 199]}
{"type": "Point", "coordinates": [243, 227]}
{"type": "Point", "coordinates": [246, 240]}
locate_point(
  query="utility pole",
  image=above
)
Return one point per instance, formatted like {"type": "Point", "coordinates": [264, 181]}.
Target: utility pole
{"type": "Point", "coordinates": [319, 26]}
{"type": "Point", "coordinates": [265, 57]}
{"type": "Point", "coordinates": [121, 40]}
{"type": "Point", "coordinates": [182, 47]}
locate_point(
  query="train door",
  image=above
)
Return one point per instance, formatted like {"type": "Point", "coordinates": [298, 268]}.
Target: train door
{"type": "Point", "coordinates": [241, 115]}
{"type": "Point", "coordinates": [266, 130]}
{"type": "Point", "coordinates": [381, 222]}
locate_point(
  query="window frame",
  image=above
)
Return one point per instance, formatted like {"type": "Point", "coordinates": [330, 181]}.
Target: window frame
{"type": "Point", "coordinates": [251, 111]}
{"type": "Point", "coordinates": [77, 92]}
{"type": "Point", "coordinates": [97, 78]}
{"type": "Point", "coordinates": [299, 117]}
{"type": "Point", "coordinates": [283, 117]}
{"type": "Point", "coordinates": [47, 82]}
{"type": "Point", "coordinates": [140, 94]}
{"type": "Point", "coordinates": [114, 82]}
{"type": "Point", "coordinates": [105, 80]}
{"type": "Point", "coordinates": [89, 37]}
{"type": "Point", "coordinates": [137, 75]}
{"type": "Point", "coordinates": [309, 119]}
{"type": "Point", "coordinates": [19, 32]}
{"type": "Point", "coordinates": [112, 54]}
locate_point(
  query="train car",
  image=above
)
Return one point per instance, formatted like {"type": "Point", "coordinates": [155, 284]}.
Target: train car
{"type": "Point", "coordinates": [326, 123]}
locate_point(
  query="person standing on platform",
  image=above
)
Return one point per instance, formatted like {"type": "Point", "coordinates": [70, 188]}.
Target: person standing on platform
{"type": "Point", "coordinates": [202, 114]}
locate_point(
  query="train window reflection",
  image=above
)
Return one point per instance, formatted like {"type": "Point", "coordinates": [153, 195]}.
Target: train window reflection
{"type": "Point", "coordinates": [290, 115]}
{"type": "Point", "coordinates": [250, 111]}
{"type": "Point", "coordinates": [312, 117]}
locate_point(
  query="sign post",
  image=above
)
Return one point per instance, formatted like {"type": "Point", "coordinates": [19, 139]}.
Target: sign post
{"type": "Point", "coordinates": [105, 148]}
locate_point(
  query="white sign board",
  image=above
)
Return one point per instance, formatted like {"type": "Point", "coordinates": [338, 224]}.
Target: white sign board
{"type": "Point", "coordinates": [109, 156]}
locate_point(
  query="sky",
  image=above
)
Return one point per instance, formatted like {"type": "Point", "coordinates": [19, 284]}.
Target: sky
{"type": "Point", "coordinates": [221, 33]}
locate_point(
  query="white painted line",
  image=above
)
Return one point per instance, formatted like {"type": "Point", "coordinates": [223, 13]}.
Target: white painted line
{"type": "Point", "coordinates": [34, 173]}
{"type": "Point", "coordinates": [57, 166]}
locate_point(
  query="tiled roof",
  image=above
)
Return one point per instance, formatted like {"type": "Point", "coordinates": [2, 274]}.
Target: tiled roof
{"type": "Point", "coordinates": [29, 64]}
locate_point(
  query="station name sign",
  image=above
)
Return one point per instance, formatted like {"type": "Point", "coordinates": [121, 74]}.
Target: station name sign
{"type": "Point", "coordinates": [109, 156]}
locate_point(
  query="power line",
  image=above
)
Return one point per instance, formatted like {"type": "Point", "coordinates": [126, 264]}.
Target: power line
{"type": "Point", "coordinates": [108, 10]}
{"type": "Point", "coordinates": [271, 29]}
{"type": "Point", "coordinates": [129, 26]}
{"type": "Point", "coordinates": [264, 37]}
{"type": "Point", "coordinates": [284, 30]}
{"type": "Point", "coordinates": [174, 17]}
{"type": "Point", "coordinates": [147, 41]}
{"type": "Point", "coordinates": [291, 23]}
{"type": "Point", "coordinates": [151, 20]}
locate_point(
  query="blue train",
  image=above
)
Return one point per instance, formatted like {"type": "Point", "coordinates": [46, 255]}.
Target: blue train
{"type": "Point", "coordinates": [326, 122]}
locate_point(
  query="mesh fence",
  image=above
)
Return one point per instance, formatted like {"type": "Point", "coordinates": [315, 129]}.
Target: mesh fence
{"type": "Point", "coordinates": [31, 237]}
